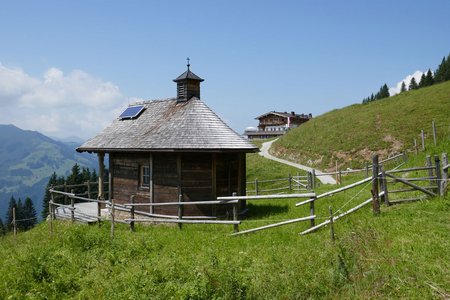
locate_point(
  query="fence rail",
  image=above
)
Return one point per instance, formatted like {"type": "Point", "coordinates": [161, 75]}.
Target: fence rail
{"type": "Point", "coordinates": [436, 177]}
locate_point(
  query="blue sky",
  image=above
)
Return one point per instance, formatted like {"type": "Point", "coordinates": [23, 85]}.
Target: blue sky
{"type": "Point", "coordinates": [67, 68]}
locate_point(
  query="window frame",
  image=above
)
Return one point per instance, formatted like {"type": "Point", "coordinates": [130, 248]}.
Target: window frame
{"type": "Point", "coordinates": [143, 175]}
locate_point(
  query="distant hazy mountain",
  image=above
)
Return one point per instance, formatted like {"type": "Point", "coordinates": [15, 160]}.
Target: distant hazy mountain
{"type": "Point", "coordinates": [28, 159]}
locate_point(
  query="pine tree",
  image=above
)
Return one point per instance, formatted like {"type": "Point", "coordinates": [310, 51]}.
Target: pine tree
{"type": "Point", "coordinates": [422, 82]}
{"type": "Point", "coordinates": [29, 214]}
{"type": "Point", "coordinates": [384, 91]}
{"type": "Point", "coordinates": [51, 182]}
{"type": "Point", "coordinates": [20, 215]}
{"type": "Point", "coordinates": [440, 73]}
{"type": "Point", "coordinates": [75, 177]}
{"type": "Point", "coordinates": [429, 78]}
{"type": "Point", "coordinates": [2, 228]}
{"type": "Point", "coordinates": [413, 84]}
{"type": "Point", "coordinates": [9, 216]}
{"type": "Point", "coordinates": [403, 88]}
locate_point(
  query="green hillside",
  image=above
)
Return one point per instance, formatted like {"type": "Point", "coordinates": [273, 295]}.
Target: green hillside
{"type": "Point", "coordinates": [28, 159]}
{"type": "Point", "coordinates": [352, 134]}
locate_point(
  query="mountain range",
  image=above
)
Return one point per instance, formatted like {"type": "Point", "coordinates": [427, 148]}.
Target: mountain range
{"type": "Point", "coordinates": [28, 159]}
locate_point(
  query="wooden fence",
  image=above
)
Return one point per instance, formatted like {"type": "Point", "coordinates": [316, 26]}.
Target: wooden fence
{"type": "Point", "coordinates": [288, 184]}
{"type": "Point", "coordinates": [385, 188]}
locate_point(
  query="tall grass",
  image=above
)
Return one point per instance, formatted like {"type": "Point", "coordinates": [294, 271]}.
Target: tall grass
{"type": "Point", "coordinates": [403, 253]}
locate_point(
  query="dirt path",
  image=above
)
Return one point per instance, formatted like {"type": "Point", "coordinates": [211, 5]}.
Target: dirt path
{"type": "Point", "coordinates": [327, 179]}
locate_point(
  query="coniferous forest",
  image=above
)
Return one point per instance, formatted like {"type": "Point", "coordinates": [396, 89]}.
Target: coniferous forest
{"type": "Point", "coordinates": [429, 78]}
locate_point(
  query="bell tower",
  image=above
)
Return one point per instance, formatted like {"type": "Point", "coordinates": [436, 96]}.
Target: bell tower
{"type": "Point", "coordinates": [188, 85]}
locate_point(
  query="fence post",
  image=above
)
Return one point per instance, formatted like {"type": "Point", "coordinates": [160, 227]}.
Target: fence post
{"type": "Point", "coordinates": [256, 186]}
{"type": "Point", "coordinates": [298, 181]}
{"type": "Point", "coordinates": [444, 176]}
{"type": "Point", "coordinates": [367, 169]}
{"type": "Point", "coordinates": [438, 174]}
{"type": "Point", "coordinates": [72, 207]}
{"type": "Point", "coordinates": [14, 221]}
{"type": "Point", "coordinates": [312, 212]}
{"type": "Point", "coordinates": [385, 188]}
{"type": "Point", "coordinates": [422, 135]}
{"type": "Point", "coordinates": [132, 213]}
{"type": "Point", "coordinates": [331, 224]}
{"type": "Point", "coordinates": [340, 177]}
{"type": "Point", "coordinates": [88, 184]}
{"type": "Point", "coordinates": [180, 210]}
{"type": "Point", "coordinates": [112, 218]}
{"type": "Point", "coordinates": [433, 124]}
{"type": "Point", "coordinates": [415, 146]}
{"type": "Point", "coordinates": [429, 164]}
{"type": "Point", "coordinates": [99, 211]}
{"type": "Point", "coordinates": [235, 214]}
{"type": "Point", "coordinates": [290, 182]}
{"type": "Point", "coordinates": [50, 212]}
{"type": "Point", "coordinates": [65, 191]}
{"type": "Point", "coordinates": [309, 184]}
{"type": "Point", "coordinates": [337, 177]}
{"type": "Point", "coordinates": [313, 181]}
{"type": "Point", "coordinates": [375, 200]}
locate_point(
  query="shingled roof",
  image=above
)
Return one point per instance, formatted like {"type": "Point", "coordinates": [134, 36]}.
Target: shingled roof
{"type": "Point", "coordinates": [166, 125]}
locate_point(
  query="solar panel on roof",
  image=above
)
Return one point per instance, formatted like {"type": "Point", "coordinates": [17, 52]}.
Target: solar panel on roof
{"type": "Point", "coordinates": [132, 112]}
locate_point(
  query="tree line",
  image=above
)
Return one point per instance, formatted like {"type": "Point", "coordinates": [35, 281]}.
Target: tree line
{"type": "Point", "coordinates": [77, 176]}
{"type": "Point", "coordinates": [26, 217]}
{"type": "Point", "coordinates": [429, 78]}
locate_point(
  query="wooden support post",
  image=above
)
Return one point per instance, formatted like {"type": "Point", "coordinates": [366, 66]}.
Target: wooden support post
{"type": "Point", "coordinates": [112, 212]}
{"type": "Point", "coordinates": [415, 146]}
{"type": "Point", "coordinates": [385, 188]}
{"type": "Point", "coordinates": [109, 186]}
{"type": "Point", "coordinates": [14, 223]}
{"type": "Point", "coordinates": [438, 174]}
{"type": "Point", "coordinates": [132, 213]}
{"type": "Point", "coordinates": [236, 214]}
{"type": "Point", "coordinates": [340, 177]}
{"type": "Point", "coordinates": [367, 169]}
{"type": "Point", "coordinates": [256, 186]}
{"type": "Point", "coordinates": [180, 211]}
{"type": "Point", "coordinates": [433, 125]}
{"type": "Point", "coordinates": [331, 224]}
{"type": "Point", "coordinates": [422, 135]}
{"type": "Point", "coordinates": [375, 200]}
{"type": "Point", "coordinates": [312, 212]}
{"type": "Point", "coordinates": [444, 177]}
{"type": "Point", "coordinates": [101, 174]}
{"type": "Point", "coordinates": [72, 207]}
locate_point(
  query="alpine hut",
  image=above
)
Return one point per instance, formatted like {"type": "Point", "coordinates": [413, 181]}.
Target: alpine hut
{"type": "Point", "coordinates": [172, 150]}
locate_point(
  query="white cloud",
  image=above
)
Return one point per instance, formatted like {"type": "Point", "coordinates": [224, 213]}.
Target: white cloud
{"type": "Point", "coordinates": [395, 90]}
{"type": "Point", "coordinates": [58, 104]}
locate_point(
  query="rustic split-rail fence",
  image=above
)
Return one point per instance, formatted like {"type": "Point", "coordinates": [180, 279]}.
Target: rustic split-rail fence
{"type": "Point", "coordinates": [389, 186]}
{"type": "Point", "coordinates": [386, 185]}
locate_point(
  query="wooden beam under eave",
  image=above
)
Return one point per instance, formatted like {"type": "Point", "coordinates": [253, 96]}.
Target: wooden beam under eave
{"type": "Point", "coordinates": [101, 174]}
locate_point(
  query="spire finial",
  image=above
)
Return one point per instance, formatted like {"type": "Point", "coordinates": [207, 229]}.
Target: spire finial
{"type": "Point", "coordinates": [188, 64]}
